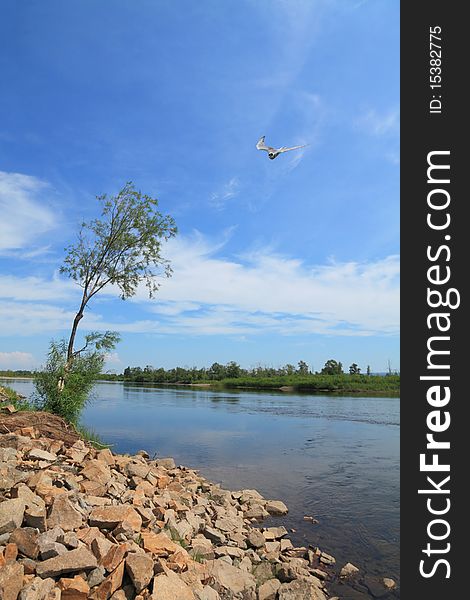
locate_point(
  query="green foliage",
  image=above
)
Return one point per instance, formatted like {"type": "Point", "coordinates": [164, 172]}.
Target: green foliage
{"type": "Point", "coordinates": [302, 368]}
{"type": "Point", "coordinates": [265, 378]}
{"type": "Point", "coordinates": [354, 369]}
{"type": "Point", "coordinates": [91, 436]}
{"type": "Point", "coordinates": [176, 537]}
{"type": "Point", "coordinates": [12, 397]}
{"type": "Point", "coordinates": [123, 247]}
{"type": "Point", "coordinates": [69, 401]}
{"type": "Point", "coordinates": [381, 384]}
{"type": "Point", "coordinates": [332, 367]}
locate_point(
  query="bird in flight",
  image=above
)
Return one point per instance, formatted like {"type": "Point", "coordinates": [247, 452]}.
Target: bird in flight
{"type": "Point", "coordinates": [273, 152]}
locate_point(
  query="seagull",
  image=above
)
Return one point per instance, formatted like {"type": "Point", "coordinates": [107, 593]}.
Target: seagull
{"type": "Point", "coordinates": [273, 152]}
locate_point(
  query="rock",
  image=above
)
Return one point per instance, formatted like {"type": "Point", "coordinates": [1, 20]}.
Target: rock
{"type": "Point", "coordinates": [72, 561]}
{"type": "Point", "coordinates": [51, 535]}
{"type": "Point", "coordinates": [322, 575]}
{"type": "Point", "coordinates": [110, 585]}
{"type": "Point", "coordinates": [93, 488]}
{"type": "Point", "coordinates": [100, 546]}
{"type": "Point", "coordinates": [250, 496]}
{"type": "Point", "coordinates": [140, 569]}
{"type": "Point", "coordinates": [228, 524]}
{"type": "Point", "coordinates": [87, 534]}
{"type": "Point", "coordinates": [69, 539]}
{"type": "Point", "coordinates": [36, 518]}
{"type": "Point", "coordinates": [106, 456]}
{"type": "Point", "coordinates": [268, 591]}
{"type": "Point", "coordinates": [96, 471]}
{"type": "Point", "coordinates": [11, 514]}
{"type": "Point", "coordinates": [214, 535]}
{"type": "Point", "coordinates": [229, 578]}
{"type": "Point", "coordinates": [389, 583]}
{"type": "Point", "coordinates": [376, 586]}
{"type": "Point", "coordinates": [274, 533]}
{"type": "Point", "coordinates": [38, 589]}
{"type": "Point", "coordinates": [31, 500]}
{"type": "Point", "coordinates": [232, 551]}
{"type": "Point", "coordinates": [286, 545]}
{"type": "Point", "coordinates": [8, 454]}
{"type": "Point", "coordinates": [137, 470]}
{"type": "Point", "coordinates": [168, 586]}
{"type": "Point", "coordinates": [96, 576]}
{"type": "Point", "coordinates": [109, 517]}
{"type": "Point", "coordinates": [159, 543]}
{"type": "Point", "coordinates": [301, 589]}
{"type": "Point", "coordinates": [276, 507]}
{"type": "Point", "coordinates": [207, 593]}
{"type": "Point", "coordinates": [64, 513]}
{"type": "Point", "coordinates": [38, 454]}
{"type": "Point", "coordinates": [349, 570]}
{"type": "Point", "coordinates": [327, 559]}
{"type": "Point", "coordinates": [11, 552]}
{"type": "Point", "coordinates": [202, 548]}
{"type": "Point", "coordinates": [29, 565]}
{"type": "Point", "coordinates": [51, 549]}
{"type": "Point", "coordinates": [256, 511]}
{"type": "Point", "coordinates": [114, 556]}
{"type": "Point", "coordinates": [168, 463]}
{"type": "Point", "coordinates": [9, 476]}
{"type": "Point", "coordinates": [273, 547]}
{"type": "Point", "coordinates": [74, 589]}
{"type": "Point", "coordinates": [11, 581]}
{"type": "Point", "coordinates": [26, 539]}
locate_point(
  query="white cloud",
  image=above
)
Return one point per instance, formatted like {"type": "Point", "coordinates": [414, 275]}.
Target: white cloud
{"type": "Point", "coordinates": [229, 190]}
{"type": "Point", "coordinates": [23, 214]}
{"type": "Point", "coordinates": [17, 360]}
{"type": "Point", "coordinates": [36, 288]}
{"type": "Point", "coordinates": [262, 291]}
{"type": "Point", "coordinates": [209, 293]}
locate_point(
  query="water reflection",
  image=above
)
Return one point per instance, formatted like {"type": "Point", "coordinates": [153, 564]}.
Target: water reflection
{"type": "Point", "coordinates": [336, 458]}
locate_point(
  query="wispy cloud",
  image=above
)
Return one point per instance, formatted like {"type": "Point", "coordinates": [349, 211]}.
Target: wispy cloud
{"type": "Point", "coordinates": [228, 191]}
{"type": "Point", "coordinates": [17, 360]}
{"type": "Point", "coordinates": [24, 215]}
{"type": "Point", "coordinates": [265, 291]}
{"type": "Point", "coordinates": [379, 124]}
{"type": "Point", "coordinates": [209, 293]}
{"type": "Point", "coordinates": [13, 287]}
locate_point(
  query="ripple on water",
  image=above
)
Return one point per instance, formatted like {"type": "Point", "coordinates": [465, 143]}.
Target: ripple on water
{"type": "Point", "coordinates": [331, 457]}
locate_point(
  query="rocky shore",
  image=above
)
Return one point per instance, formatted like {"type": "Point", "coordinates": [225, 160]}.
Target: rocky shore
{"type": "Point", "coordinates": [78, 523]}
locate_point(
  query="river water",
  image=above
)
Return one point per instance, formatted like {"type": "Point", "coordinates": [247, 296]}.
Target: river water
{"type": "Point", "coordinates": [335, 458]}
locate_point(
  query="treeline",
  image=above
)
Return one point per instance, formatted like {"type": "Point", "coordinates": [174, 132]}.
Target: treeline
{"type": "Point", "coordinates": [232, 371]}
{"type": "Point", "coordinates": [332, 377]}
{"type": "Point", "coordinates": [17, 373]}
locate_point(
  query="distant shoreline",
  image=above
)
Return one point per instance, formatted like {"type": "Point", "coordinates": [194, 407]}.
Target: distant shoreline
{"type": "Point", "coordinates": [219, 385]}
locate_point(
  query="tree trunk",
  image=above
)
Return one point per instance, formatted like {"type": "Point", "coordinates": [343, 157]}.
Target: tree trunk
{"type": "Point", "coordinates": [68, 364]}
{"type": "Point", "coordinates": [73, 333]}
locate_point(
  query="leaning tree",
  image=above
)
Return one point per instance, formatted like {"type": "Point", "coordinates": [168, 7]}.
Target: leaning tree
{"type": "Point", "coordinates": [123, 249]}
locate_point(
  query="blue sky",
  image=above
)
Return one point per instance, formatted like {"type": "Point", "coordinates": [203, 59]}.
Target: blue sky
{"type": "Point", "coordinates": [275, 261]}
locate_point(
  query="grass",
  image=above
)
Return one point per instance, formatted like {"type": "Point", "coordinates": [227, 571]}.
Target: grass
{"type": "Point", "coordinates": [389, 384]}
{"type": "Point", "coordinates": [89, 435]}
{"type": "Point", "coordinates": [198, 557]}
{"type": "Point", "coordinates": [175, 536]}
{"type": "Point", "coordinates": [12, 397]}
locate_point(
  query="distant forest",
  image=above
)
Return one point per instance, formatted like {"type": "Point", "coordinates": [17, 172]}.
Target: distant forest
{"type": "Point", "coordinates": [331, 377]}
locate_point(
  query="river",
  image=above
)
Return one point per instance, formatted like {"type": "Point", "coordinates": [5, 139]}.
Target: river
{"type": "Point", "coordinates": [335, 458]}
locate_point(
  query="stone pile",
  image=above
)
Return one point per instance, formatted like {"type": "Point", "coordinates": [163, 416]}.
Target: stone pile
{"type": "Point", "coordinates": [78, 523]}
